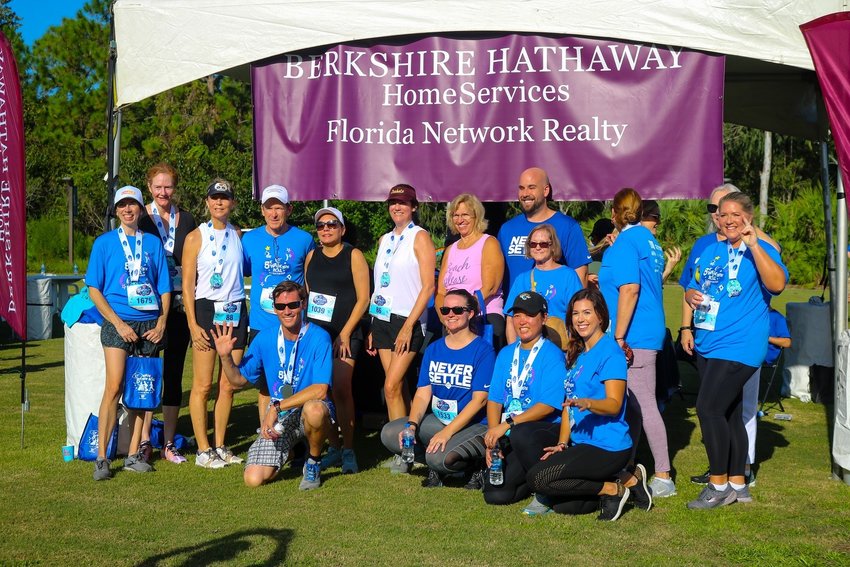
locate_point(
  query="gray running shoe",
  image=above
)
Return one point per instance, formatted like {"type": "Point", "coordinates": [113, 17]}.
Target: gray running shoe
{"type": "Point", "coordinates": [538, 506]}
{"type": "Point", "coordinates": [101, 469]}
{"type": "Point", "coordinates": [710, 498]}
{"type": "Point", "coordinates": [312, 475]}
{"type": "Point", "coordinates": [228, 457]}
{"type": "Point", "coordinates": [136, 463]}
{"type": "Point", "coordinates": [333, 458]}
{"type": "Point", "coordinates": [641, 494]}
{"type": "Point", "coordinates": [611, 507]}
{"type": "Point", "coordinates": [743, 495]}
{"type": "Point", "coordinates": [662, 487]}
{"type": "Point", "coordinates": [398, 466]}
{"type": "Point", "coordinates": [349, 462]}
{"type": "Point", "coordinates": [209, 459]}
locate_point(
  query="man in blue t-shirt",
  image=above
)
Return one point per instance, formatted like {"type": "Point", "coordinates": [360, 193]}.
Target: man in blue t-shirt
{"type": "Point", "coordinates": [294, 361]}
{"type": "Point", "coordinates": [273, 253]}
{"type": "Point", "coordinates": [534, 194]}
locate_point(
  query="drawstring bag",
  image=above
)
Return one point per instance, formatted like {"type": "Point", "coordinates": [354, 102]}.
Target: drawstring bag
{"type": "Point", "coordinates": [485, 329]}
{"type": "Point", "coordinates": [142, 382]}
{"type": "Point", "coordinates": [87, 451]}
{"type": "Point", "coordinates": [158, 436]}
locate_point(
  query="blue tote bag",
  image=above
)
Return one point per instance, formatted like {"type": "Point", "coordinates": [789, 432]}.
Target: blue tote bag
{"type": "Point", "coordinates": [87, 451]}
{"type": "Point", "coordinates": [143, 383]}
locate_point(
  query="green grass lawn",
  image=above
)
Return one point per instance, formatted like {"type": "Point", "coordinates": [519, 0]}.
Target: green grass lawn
{"type": "Point", "coordinates": [183, 515]}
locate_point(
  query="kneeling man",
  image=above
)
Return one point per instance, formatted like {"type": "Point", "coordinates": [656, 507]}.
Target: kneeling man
{"type": "Point", "coordinates": [296, 361]}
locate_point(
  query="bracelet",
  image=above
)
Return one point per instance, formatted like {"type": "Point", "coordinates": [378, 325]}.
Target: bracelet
{"type": "Point", "coordinates": [686, 328]}
{"type": "Point", "coordinates": [619, 338]}
{"type": "Point", "coordinates": [413, 424]}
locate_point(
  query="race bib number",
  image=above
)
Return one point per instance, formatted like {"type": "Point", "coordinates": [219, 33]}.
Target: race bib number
{"type": "Point", "coordinates": [705, 316]}
{"type": "Point", "coordinates": [141, 296]}
{"type": "Point", "coordinates": [227, 312]}
{"type": "Point", "coordinates": [444, 410]}
{"type": "Point", "coordinates": [320, 306]}
{"type": "Point", "coordinates": [266, 301]}
{"type": "Point", "coordinates": [381, 307]}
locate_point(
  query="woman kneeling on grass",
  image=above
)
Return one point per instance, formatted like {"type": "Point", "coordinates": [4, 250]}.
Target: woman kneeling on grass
{"type": "Point", "coordinates": [579, 473]}
{"type": "Point", "coordinates": [454, 379]}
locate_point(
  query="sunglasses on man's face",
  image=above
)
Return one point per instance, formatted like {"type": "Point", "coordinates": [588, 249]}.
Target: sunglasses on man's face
{"type": "Point", "coordinates": [329, 224]}
{"type": "Point", "coordinates": [712, 208]}
{"type": "Point", "coordinates": [455, 310]}
{"type": "Point", "coordinates": [291, 305]}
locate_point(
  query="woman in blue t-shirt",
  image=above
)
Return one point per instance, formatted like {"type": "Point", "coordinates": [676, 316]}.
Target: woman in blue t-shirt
{"type": "Point", "coordinates": [630, 281]}
{"type": "Point", "coordinates": [730, 292]}
{"type": "Point", "coordinates": [130, 286]}
{"type": "Point", "coordinates": [579, 472]}
{"type": "Point", "coordinates": [454, 380]}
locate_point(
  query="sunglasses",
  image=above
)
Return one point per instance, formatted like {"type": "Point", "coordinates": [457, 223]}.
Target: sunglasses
{"type": "Point", "coordinates": [711, 208]}
{"type": "Point", "coordinates": [455, 310]}
{"type": "Point", "coordinates": [291, 305]}
{"type": "Point", "coordinates": [329, 224]}
{"type": "Point", "coordinates": [544, 245]}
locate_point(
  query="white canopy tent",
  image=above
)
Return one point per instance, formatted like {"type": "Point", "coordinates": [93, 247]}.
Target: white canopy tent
{"type": "Point", "coordinates": [770, 81]}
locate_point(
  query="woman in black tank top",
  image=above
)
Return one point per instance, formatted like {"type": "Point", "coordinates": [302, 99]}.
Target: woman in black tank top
{"type": "Point", "coordinates": [337, 279]}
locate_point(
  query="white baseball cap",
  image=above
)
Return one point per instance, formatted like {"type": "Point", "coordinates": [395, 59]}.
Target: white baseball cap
{"type": "Point", "coordinates": [329, 211]}
{"type": "Point", "coordinates": [278, 192]}
{"type": "Point", "coordinates": [128, 192]}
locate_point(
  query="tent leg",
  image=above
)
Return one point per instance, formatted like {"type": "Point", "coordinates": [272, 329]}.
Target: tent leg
{"type": "Point", "coordinates": [24, 397]}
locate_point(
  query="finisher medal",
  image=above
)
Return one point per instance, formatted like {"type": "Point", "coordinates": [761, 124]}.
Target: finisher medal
{"type": "Point", "coordinates": [216, 281]}
{"type": "Point", "coordinates": [733, 288]}
{"type": "Point", "coordinates": [385, 279]}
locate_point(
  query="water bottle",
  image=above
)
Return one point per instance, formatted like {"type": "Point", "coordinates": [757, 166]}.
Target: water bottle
{"type": "Point", "coordinates": [76, 269]}
{"type": "Point", "coordinates": [278, 426]}
{"type": "Point", "coordinates": [407, 442]}
{"type": "Point", "coordinates": [43, 269]}
{"type": "Point", "coordinates": [497, 475]}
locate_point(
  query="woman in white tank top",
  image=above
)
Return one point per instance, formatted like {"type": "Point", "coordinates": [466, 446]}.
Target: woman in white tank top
{"type": "Point", "coordinates": [213, 292]}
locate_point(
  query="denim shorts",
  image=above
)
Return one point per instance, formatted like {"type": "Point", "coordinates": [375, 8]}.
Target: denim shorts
{"type": "Point", "coordinates": [109, 337]}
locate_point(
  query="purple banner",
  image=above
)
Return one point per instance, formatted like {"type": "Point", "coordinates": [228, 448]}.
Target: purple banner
{"type": "Point", "coordinates": [452, 115]}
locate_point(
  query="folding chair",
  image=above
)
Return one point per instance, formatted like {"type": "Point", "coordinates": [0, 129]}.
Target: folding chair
{"type": "Point", "coordinates": [775, 366]}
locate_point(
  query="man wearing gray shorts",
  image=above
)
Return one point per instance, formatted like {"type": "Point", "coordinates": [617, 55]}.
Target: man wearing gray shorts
{"type": "Point", "coordinates": [295, 362]}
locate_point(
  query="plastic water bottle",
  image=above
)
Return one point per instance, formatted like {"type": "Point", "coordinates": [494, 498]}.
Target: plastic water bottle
{"type": "Point", "coordinates": [76, 269]}
{"type": "Point", "coordinates": [43, 269]}
{"type": "Point", "coordinates": [497, 475]}
{"type": "Point", "coordinates": [407, 442]}
{"type": "Point", "coordinates": [281, 416]}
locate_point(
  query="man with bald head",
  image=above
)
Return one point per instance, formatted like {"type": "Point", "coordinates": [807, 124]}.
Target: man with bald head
{"type": "Point", "coordinates": [534, 193]}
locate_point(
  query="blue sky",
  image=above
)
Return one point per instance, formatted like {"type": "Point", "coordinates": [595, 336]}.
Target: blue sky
{"type": "Point", "coordinates": [38, 15]}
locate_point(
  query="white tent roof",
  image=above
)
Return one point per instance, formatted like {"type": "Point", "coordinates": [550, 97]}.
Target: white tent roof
{"type": "Point", "coordinates": [165, 43]}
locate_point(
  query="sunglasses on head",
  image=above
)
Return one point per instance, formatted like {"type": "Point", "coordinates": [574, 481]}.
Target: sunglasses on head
{"type": "Point", "coordinates": [544, 245]}
{"type": "Point", "coordinates": [711, 208]}
{"type": "Point", "coordinates": [455, 310]}
{"type": "Point", "coordinates": [290, 305]}
{"type": "Point", "coordinates": [329, 224]}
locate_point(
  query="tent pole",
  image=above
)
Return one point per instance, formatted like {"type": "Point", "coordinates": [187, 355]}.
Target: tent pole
{"type": "Point", "coordinates": [24, 400]}
{"type": "Point", "coordinates": [827, 215]}
{"type": "Point", "coordinates": [113, 129]}
{"type": "Point", "coordinates": [841, 279]}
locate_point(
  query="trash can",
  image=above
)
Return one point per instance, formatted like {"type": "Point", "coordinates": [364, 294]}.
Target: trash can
{"type": "Point", "coordinates": [41, 300]}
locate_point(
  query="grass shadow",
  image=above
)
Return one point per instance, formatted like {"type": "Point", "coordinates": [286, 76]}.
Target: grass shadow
{"type": "Point", "coordinates": [227, 549]}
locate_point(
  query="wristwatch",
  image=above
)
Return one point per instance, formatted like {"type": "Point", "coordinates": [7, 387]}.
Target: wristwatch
{"type": "Point", "coordinates": [510, 421]}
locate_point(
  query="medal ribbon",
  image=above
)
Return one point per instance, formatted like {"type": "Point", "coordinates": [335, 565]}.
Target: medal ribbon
{"type": "Point", "coordinates": [390, 252]}
{"type": "Point", "coordinates": [134, 259]}
{"type": "Point", "coordinates": [218, 250]}
{"type": "Point", "coordinates": [167, 239]}
{"type": "Point", "coordinates": [518, 379]}
{"type": "Point", "coordinates": [735, 257]}
{"type": "Point", "coordinates": [293, 355]}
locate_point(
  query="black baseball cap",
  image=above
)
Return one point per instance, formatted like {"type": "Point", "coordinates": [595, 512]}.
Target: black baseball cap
{"type": "Point", "coordinates": [530, 302]}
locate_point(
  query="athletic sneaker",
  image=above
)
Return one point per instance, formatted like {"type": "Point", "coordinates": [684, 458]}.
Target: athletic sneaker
{"type": "Point", "coordinates": [398, 466]}
{"type": "Point", "coordinates": [538, 506]}
{"type": "Point", "coordinates": [476, 480]}
{"type": "Point", "coordinates": [641, 494]}
{"type": "Point", "coordinates": [228, 457]}
{"type": "Point", "coordinates": [349, 462]}
{"type": "Point", "coordinates": [209, 459]}
{"type": "Point", "coordinates": [743, 495]}
{"type": "Point", "coordinates": [136, 463]}
{"type": "Point", "coordinates": [101, 469]}
{"type": "Point", "coordinates": [662, 487]}
{"type": "Point", "coordinates": [433, 480]}
{"type": "Point", "coordinates": [333, 458]}
{"type": "Point", "coordinates": [146, 451]}
{"type": "Point", "coordinates": [172, 454]}
{"type": "Point", "coordinates": [751, 478]}
{"type": "Point", "coordinates": [710, 498]}
{"type": "Point", "coordinates": [701, 478]}
{"type": "Point", "coordinates": [312, 475]}
{"type": "Point", "coordinates": [611, 507]}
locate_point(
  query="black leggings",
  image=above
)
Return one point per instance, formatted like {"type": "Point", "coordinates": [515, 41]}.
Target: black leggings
{"type": "Point", "coordinates": [174, 357]}
{"type": "Point", "coordinates": [719, 407]}
{"type": "Point", "coordinates": [574, 477]}
{"type": "Point", "coordinates": [522, 450]}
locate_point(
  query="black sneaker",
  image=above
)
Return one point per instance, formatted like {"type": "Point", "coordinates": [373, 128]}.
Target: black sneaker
{"type": "Point", "coordinates": [641, 493]}
{"type": "Point", "coordinates": [701, 478]}
{"type": "Point", "coordinates": [145, 451]}
{"type": "Point", "coordinates": [434, 480]}
{"type": "Point", "coordinates": [611, 507]}
{"type": "Point", "coordinates": [476, 481]}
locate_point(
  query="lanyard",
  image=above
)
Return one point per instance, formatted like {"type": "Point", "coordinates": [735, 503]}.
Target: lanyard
{"type": "Point", "coordinates": [134, 260]}
{"type": "Point", "coordinates": [218, 250]}
{"type": "Point", "coordinates": [518, 379]}
{"type": "Point", "coordinates": [167, 240]}
{"type": "Point", "coordinates": [293, 355]}
{"type": "Point", "coordinates": [390, 252]}
{"type": "Point", "coordinates": [735, 258]}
